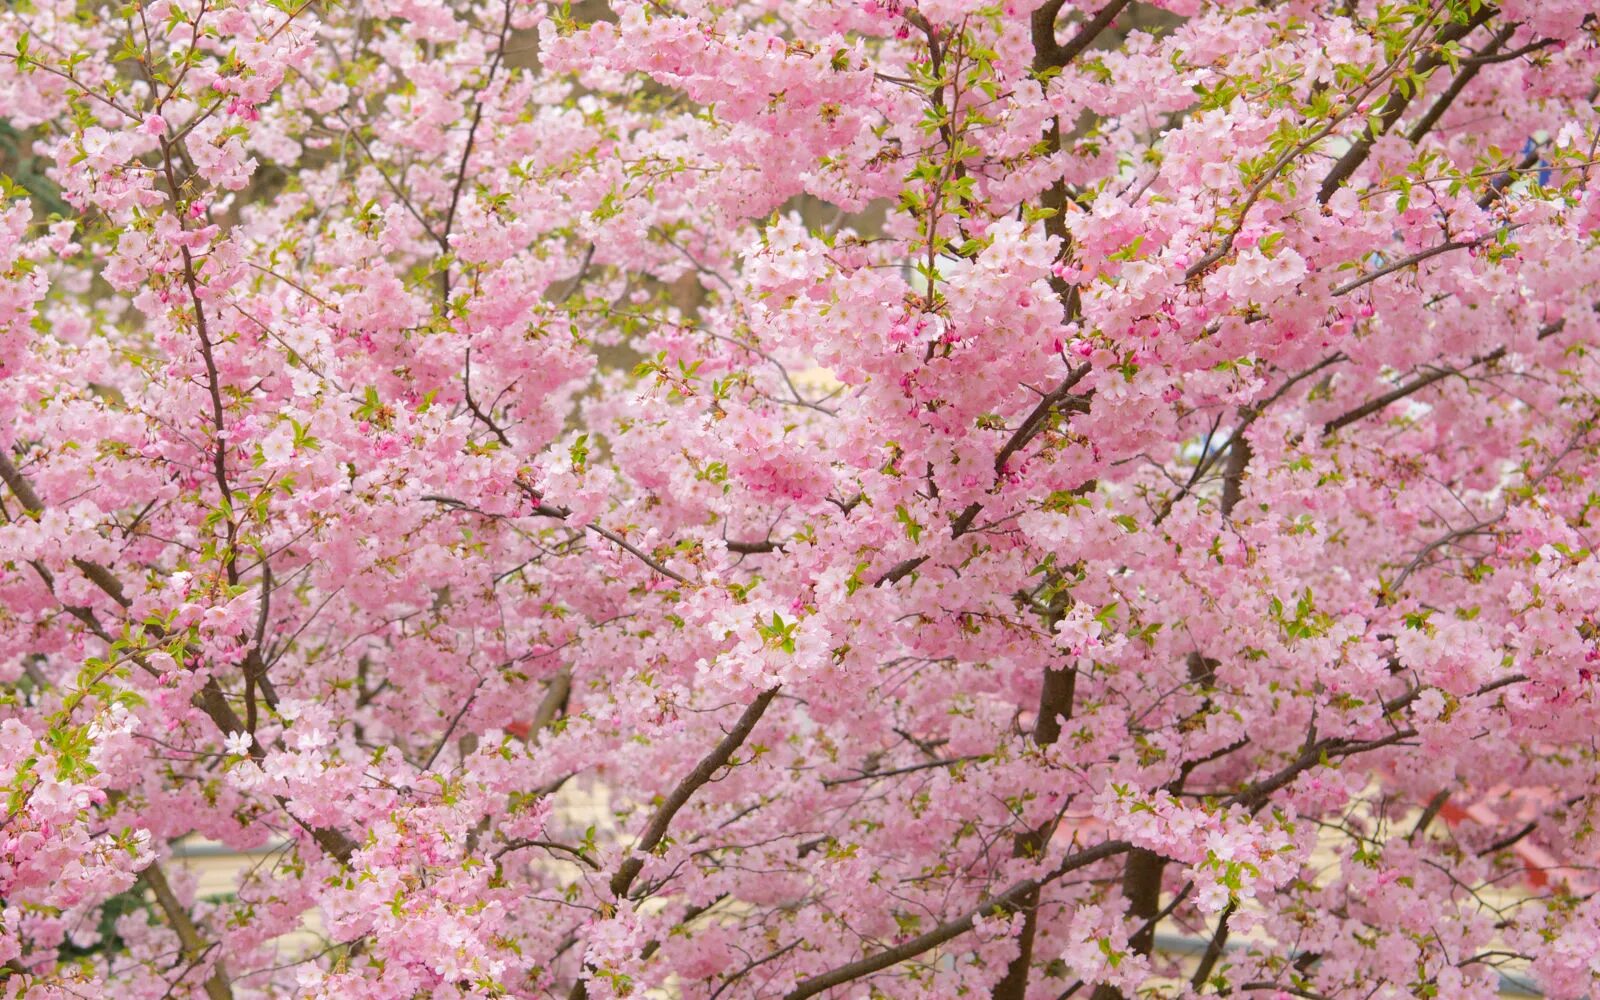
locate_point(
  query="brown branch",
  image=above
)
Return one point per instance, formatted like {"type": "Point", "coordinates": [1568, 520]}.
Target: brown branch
{"type": "Point", "coordinates": [1256, 796]}
{"type": "Point", "coordinates": [1429, 813]}
{"type": "Point", "coordinates": [754, 548]}
{"type": "Point", "coordinates": [1421, 382]}
{"type": "Point", "coordinates": [1395, 102]}
{"type": "Point", "coordinates": [1042, 27]}
{"type": "Point", "coordinates": [1469, 69]}
{"type": "Point", "coordinates": [1214, 949]}
{"type": "Point", "coordinates": [896, 771]}
{"type": "Point", "coordinates": [1235, 438]}
{"type": "Point", "coordinates": [1056, 696]}
{"type": "Point", "coordinates": [1035, 420]}
{"type": "Point", "coordinates": [466, 149]}
{"type": "Point", "coordinates": [1276, 170]}
{"type": "Point", "coordinates": [1486, 57]}
{"type": "Point", "coordinates": [391, 184]}
{"type": "Point", "coordinates": [1007, 902]}
{"type": "Point", "coordinates": [622, 880]}
{"type": "Point", "coordinates": [616, 539]}
{"type": "Point", "coordinates": [1417, 258]}
{"type": "Point", "coordinates": [549, 845]}
{"type": "Point", "coordinates": [900, 570]}
{"type": "Point", "coordinates": [1050, 53]}
{"type": "Point", "coordinates": [472, 404]}
{"type": "Point", "coordinates": [703, 772]}
{"type": "Point", "coordinates": [1437, 544]}
{"type": "Point", "coordinates": [1497, 186]}
{"type": "Point", "coordinates": [1400, 392]}
{"type": "Point", "coordinates": [1510, 840]}
{"type": "Point", "coordinates": [561, 514]}
{"type": "Point", "coordinates": [553, 704]}
{"type": "Point", "coordinates": [216, 985]}
{"type": "Point", "coordinates": [1030, 427]}
{"type": "Point", "coordinates": [210, 699]}
{"type": "Point", "coordinates": [1141, 886]}
{"type": "Point", "coordinates": [576, 281]}
{"type": "Point", "coordinates": [219, 453]}
{"type": "Point", "coordinates": [1294, 991]}
{"type": "Point", "coordinates": [1233, 476]}
{"type": "Point", "coordinates": [466, 706]}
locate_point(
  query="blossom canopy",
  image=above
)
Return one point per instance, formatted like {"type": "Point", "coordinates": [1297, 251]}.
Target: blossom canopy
{"type": "Point", "coordinates": [800, 498]}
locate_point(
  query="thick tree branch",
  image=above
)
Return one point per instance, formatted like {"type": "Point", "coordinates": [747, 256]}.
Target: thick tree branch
{"type": "Point", "coordinates": [1141, 886]}
{"type": "Point", "coordinates": [1469, 69]}
{"type": "Point", "coordinates": [1416, 385]}
{"type": "Point", "coordinates": [622, 880]}
{"type": "Point", "coordinates": [1509, 840]}
{"type": "Point", "coordinates": [1009, 901]}
{"type": "Point", "coordinates": [713, 762]}
{"type": "Point", "coordinates": [1397, 100]}
{"type": "Point", "coordinates": [1050, 53]}
{"type": "Point", "coordinates": [1233, 475]}
{"type": "Point", "coordinates": [1035, 421]}
{"type": "Point", "coordinates": [1214, 949]}
{"type": "Point", "coordinates": [1403, 390]}
{"type": "Point", "coordinates": [1056, 696]}
{"type": "Point", "coordinates": [217, 986]}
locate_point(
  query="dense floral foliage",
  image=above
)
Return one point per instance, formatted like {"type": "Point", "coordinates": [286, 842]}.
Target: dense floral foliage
{"type": "Point", "coordinates": [967, 488]}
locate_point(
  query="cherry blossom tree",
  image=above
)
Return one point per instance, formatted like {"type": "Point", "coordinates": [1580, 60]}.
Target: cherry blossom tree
{"type": "Point", "coordinates": [802, 498]}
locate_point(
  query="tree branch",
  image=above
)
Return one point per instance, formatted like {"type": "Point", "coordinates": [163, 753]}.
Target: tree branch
{"type": "Point", "coordinates": [1417, 258]}
{"type": "Point", "coordinates": [1050, 53]}
{"type": "Point", "coordinates": [1421, 382]}
{"type": "Point", "coordinates": [1214, 949]}
{"type": "Point", "coordinates": [1396, 101]}
{"type": "Point", "coordinates": [709, 765]}
{"type": "Point", "coordinates": [210, 699]}
{"type": "Point", "coordinates": [216, 985]}
{"type": "Point", "coordinates": [1056, 696]}
{"type": "Point", "coordinates": [1007, 902]}
{"type": "Point", "coordinates": [1034, 422]}
{"type": "Point", "coordinates": [1469, 69]}
{"type": "Point", "coordinates": [466, 149]}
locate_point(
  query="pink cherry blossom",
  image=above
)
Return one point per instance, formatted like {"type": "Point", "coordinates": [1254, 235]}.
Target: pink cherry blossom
{"type": "Point", "coordinates": [787, 500]}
